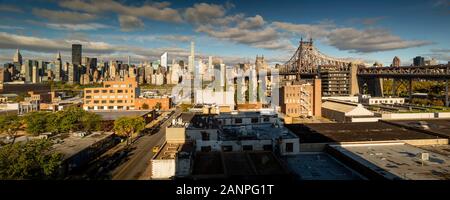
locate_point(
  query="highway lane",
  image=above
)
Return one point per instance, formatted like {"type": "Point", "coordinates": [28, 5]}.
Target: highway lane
{"type": "Point", "coordinates": [139, 158]}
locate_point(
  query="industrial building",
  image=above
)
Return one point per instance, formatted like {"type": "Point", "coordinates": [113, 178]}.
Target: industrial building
{"type": "Point", "coordinates": [341, 111]}
{"type": "Point", "coordinates": [301, 99]}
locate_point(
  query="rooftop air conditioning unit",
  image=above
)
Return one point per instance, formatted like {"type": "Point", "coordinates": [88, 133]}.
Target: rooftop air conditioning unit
{"type": "Point", "coordinates": [424, 156]}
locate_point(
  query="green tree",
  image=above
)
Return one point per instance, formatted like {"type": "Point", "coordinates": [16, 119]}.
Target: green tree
{"type": "Point", "coordinates": [70, 119]}
{"type": "Point", "coordinates": [10, 124]}
{"type": "Point", "coordinates": [31, 160]}
{"type": "Point", "coordinates": [90, 121]}
{"type": "Point", "coordinates": [127, 126]}
{"type": "Point", "coordinates": [36, 122]}
{"type": "Point", "coordinates": [145, 106]}
{"type": "Point", "coordinates": [158, 106]}
{"type": "Point", "coordinates": [53, 122]}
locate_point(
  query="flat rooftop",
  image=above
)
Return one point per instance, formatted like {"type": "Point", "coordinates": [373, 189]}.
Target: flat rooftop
{"type": "Point", "coordinates": [319, 166]}
{"type": "Point", "coordinates": [399, 161]}
{"type": "Point", "coordinates": [237, 164]}
{"type": "Point", "coordinates": [256, 131]}
{"type": "Point", "coordinates": [170, 150]}
{"type": "Point", "coordinates": [245, 114]}
{"type": "Point", "coordinates": [354, 132]}
{"type": "Point", "coordinates": [71, 145]}
{"type": "Point", "coordinates": [439, 126]}
{"type": "Point", "coordinates": [115, 114]}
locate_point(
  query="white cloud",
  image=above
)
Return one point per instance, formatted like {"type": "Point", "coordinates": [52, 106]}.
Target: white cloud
{"type": "Point", "coordinates": [370, 40]}
{"type": "Point", "coordinates": [255, 22]}
{"type": "Point", "coordinates": [151, 11]}
{"type": "Point", "coordinates": [351, 39]}
{"type": "Point", "coordinates": [130, 23]}
{"type": "Point", "coordinates": [10, 8]}
{"type": "Point", "coordinates": [307, 30]}
{"type": "Point", "coordinates": [77, 27]}
{"type": "Point", "coordinates": [63, 16]}
{"type": "Point", "coordinates": [11, 27]}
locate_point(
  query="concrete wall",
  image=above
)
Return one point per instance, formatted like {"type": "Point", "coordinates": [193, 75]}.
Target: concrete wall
{"type": "Point", "coordinates": [195, 135]}
{"type": "Point", "coordinates": [408, 116]}
{"type": "Point", "coordinates": [365, 119]}
{"type": "Point", "coordinates": [163, 169]}
{"type": "Point", "coordinates": [334, 115]}
{"type": "Point", "coordinates": [183, 167]}
{"type": "Point", "coordinates": [236, 145]}
{"type": "Point", "coordinates": [296, 146]}
{"type": "Point", "coordinates": [312, 147]}
{"type": "Point", "coordinates": [175, 135]}
{"type": "Point", "coordinates": [443, 115]}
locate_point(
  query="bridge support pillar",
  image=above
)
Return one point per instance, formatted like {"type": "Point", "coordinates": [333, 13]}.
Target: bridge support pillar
{"type": "Point", "coordinates": [410, 90]}
{"type": "Point", "coordinates": [447, 101]}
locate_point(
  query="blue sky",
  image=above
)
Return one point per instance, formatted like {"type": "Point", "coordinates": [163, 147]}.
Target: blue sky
{"type": "Point", "coordinates": [235, 31]}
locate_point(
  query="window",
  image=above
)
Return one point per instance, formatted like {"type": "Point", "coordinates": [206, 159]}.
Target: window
{"type": "Point", "coordinates": [103, 101]}
{"type": "Point", "coordinates": [205, 136]}
{"type": "Point", "coordinates": [119, 101]}
{"type": "Point", "coordinates": [238, 121]}
{"type": "Point", "coordinates": [247, 148]}
{"type": "Point", "coordinates": [104, 91]}
{"type": "Point", "coordinates": [110, 107]}
{"type": "Point", "coordinates": [255, 120]}
{"type": "Point", "coordinates": [88, 101]}
{"type": "Point", "coordinates": [289, 147]}
{"type": "Point", "coordinates": [111, 101]}
{"type": "Point", "coordinates": [266, 119]}
{"type": "Point", "coordinates": [96, 101]}
{"type": "Point", "coordinates": [88, 91]}
{"type": "Point", "coordinates": [119, 91]}
{"type": "Point", "coordinates": [227, 148]}
{"type": "Point", "coordinates": [111, 91]}
{"type": "Point", "coordinates": [96, 91]}
{"type": "Point", "coordinates": [88, 97]}
{"type": "Point", "coordinates": [205, 148]}
{"type": "Point", "coordinates": [267, 147]}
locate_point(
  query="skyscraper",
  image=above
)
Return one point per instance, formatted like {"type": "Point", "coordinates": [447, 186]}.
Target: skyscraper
{"type": "Point", "coordinates": [76, 54]}
{"type": "Point", "coordinates": [396, 62]}
{"type": "Point", "coordinates": [419, 61]}
{"type": "Point", "coordinates": [17, 57]}
{"type": "Point", "coordinates": [164, 59]}
{"type": "Point", "coordinates": [58, 67]}
{"type": "Point", "coordinates": [192, 58]}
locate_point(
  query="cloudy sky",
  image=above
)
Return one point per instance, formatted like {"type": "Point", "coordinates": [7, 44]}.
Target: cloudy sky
{"type": "Point", "coordinates": [234, 30]}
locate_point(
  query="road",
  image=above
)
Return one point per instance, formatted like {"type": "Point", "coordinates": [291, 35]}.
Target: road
{"type": "Point", "coordinates": [138, 160]}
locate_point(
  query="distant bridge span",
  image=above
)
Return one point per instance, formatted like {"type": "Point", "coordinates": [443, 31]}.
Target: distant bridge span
{"type": "Point", "coordinates": [346, 77]}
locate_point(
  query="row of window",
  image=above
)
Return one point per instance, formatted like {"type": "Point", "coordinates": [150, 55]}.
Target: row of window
{"type": "Point", "coordinates": [386, 101]}
{"type": "Point", "coordinates": [106, 91]}
{"type": "Point", "coordinates": [90, 97]}
{"type": "Point", "coordinates": [108, 101]}
{"type": "Point", "coordinates": [111, 108]}
{"type": "Point", "coordinates": [226, 148]}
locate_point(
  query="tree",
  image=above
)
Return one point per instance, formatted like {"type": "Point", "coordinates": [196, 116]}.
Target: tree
{"type": "Point", "coordinates": [158, 106]}
{"type": "Point", "coordinates": [10, 124]}
{"type": "Point", "coordinates": [53, 122]}
{"type": "Point", "coordinates": [69, 120]}
{"type": "Point", "coordinates": [127, 126]}
{"type": "Point", "coordinates": [90, 121]}
{"type": "Point", "coordinates": [36, 122]}
{"type": "Point", "coordinates": [31, 160]}
{"type": "Point", "coordinates": [145, 106]}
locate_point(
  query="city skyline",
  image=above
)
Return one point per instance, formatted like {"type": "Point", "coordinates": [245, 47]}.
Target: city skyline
{"type": "Point", "coordinates": [234, 31]}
